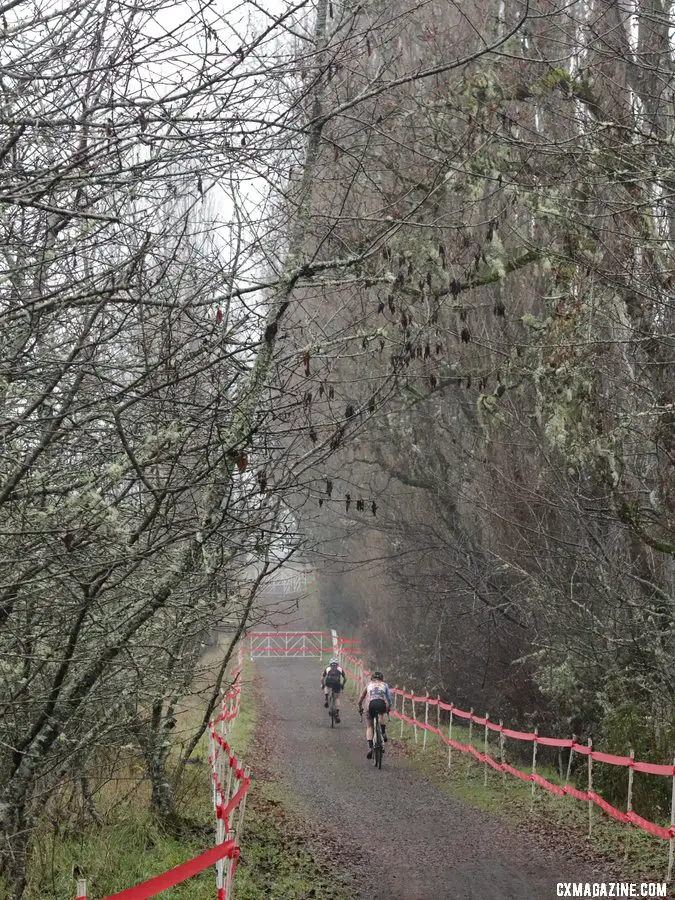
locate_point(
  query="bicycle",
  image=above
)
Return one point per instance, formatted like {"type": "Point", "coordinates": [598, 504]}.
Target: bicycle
{"type": "Point", "coordinates": [378, 742]}
{"type": "Point", "coordinates": [333, 711]}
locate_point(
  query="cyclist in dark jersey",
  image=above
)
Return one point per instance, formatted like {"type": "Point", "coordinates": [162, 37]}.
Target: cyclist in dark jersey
{"type": "Point", "coordinates": [333, 678]}
{"type": "Point", "coordinates": [379, 702]}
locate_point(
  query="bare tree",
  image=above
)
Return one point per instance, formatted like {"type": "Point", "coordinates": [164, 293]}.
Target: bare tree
{"type": "Point", "coordinates": [525, 470]}
{"type": "Point", "coordinates": [230, 246]}
{"type": "Point", "coordinates": [158, 431]}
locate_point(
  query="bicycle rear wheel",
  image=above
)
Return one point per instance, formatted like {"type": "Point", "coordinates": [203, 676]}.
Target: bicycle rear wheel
{"type": "Point", "coordinates": [378, 745]}
{"type": "Point", "coordinates": [332, 709]}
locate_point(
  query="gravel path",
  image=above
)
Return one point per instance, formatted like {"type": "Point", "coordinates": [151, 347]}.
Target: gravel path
{"type": "Point", "coordinates": [403, 838]}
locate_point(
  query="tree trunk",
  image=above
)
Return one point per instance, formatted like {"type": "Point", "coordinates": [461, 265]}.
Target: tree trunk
{"type": "Point", "coordinates": [14, 840]}
{"type": "Point", "coordinates": [162, 802]}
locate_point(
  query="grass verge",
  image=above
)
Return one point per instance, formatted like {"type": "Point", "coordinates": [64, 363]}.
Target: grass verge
{"type": "Point", "coordinates": [128, 846]}
{"type": "Point", "coordinates": [562, 821]}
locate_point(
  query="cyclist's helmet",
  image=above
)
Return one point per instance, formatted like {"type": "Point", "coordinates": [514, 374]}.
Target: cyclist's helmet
{"type": "Point", "coordinates": [334, 662]}
{"type": "Point", "coordinates": [377, 676]}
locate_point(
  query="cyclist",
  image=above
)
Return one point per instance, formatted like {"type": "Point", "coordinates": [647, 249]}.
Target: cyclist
{"type": "Point", "coordinates": [333, 678]}
{"type": "Point", "coordinates": [379, 701]}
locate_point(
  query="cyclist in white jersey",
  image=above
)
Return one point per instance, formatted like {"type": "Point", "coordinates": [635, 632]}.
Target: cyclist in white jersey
{"type": "Point", "coordinates": [377, 693]}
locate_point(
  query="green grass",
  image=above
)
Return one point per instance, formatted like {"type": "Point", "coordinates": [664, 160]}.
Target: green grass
{"type": "Point", "coordinates": [276, 861]}
{"type": "Point", "coordinates": [130, 847]}
{"type": "Point", "coordinates": [243, 727]}
{"type": "Point", "coordinates": [636, 854]}
{"type": "Point", "coordinates": [122, 853]}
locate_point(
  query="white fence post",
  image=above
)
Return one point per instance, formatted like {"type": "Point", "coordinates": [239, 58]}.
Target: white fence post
{"type": "Point", "coordinates": [414, 718]}
{"type": "Point", "coordinates": [81, 889]}
{"type": "Point", "coordinates": [229, 878]}
{"type": "Point", "coordinates": [671, 842]}
{"type": "Point", "coordinates": [426, 720]}
{"type": "Point", "coordinates": [438, 717]}
{"type": "Point", "coordinates": [567, 776]}
{"type": "Point", "coordinates": [629, 801]}
{"type": "Point", "coordinates": [450, 739]}
{"type": "Point", "coordinates": [470, 759]}
{"type": "Point", "coordinates": [502, 749]}
{"type": "Point", "coordinates": [569, 761]}
{"type": "Point", "coordinates": [534, 767]}
{"type": "Point", "coordinates": [590, 788]}
{"type": "Point", "coordinates": [221, 833]}
{"type": "Point", "coordinates": [485, 751]}
{"type": "Point", "coordinates": [212, 759]}
{"type": "Point", "coordinates": [402, 711]}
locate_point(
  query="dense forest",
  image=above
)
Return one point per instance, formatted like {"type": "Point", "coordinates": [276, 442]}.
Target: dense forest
{"type": "Point", "coordinates": [390, 286]}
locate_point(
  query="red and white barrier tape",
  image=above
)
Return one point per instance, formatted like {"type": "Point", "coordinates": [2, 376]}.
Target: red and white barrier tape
{"type": "Point", "coordinates": [228, 801]}
{"type": "Point", "coordinates": [532, 777]}
{"type": "Point", "coordinates": [230, 784]}
{"type": "Point", "coordinates": [227, 835]}
{"type": "Point", "coordinates": [180, 873]}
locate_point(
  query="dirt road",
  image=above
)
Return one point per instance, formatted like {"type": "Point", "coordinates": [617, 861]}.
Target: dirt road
{"type": "Point", "coordinates": [403, 838]}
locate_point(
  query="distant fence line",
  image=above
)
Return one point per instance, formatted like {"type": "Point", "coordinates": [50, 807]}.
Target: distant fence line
{"type": "Point", "coordinates": [291, 585]}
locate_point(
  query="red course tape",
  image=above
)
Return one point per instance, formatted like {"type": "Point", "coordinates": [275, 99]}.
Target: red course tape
{"type": "Point", "coordinates": [174, 876]}
{"type": "Point", "coordinates": [657, 830]}
{"type": "Point", "coordinates": [519, 735]}
{"type": "Point", "coordinates": [548, 786]}
{"type": "Point", "coordinates": [653, 769]}
{"type": "Point", "coordinates": [567, 743]}
{"type": "Point", "coordinates": [555, 742]}
{"type": "Point", "coordinates": [611, 759]}
{"type": "Point", "coordinates": [608, 808]}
